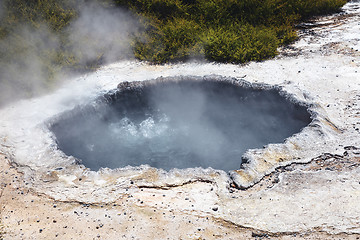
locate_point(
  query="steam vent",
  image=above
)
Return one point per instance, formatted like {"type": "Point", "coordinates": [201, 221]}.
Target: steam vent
{"type": "Point", "coordinates": [180, 123]}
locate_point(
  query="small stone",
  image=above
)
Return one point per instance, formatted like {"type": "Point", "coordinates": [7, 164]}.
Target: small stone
{"type": "Point", "coordinates": [215, 209]}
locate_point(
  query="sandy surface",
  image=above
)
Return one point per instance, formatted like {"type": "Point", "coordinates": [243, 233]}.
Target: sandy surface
{"type": "Point", "coordinates": [306, 188]}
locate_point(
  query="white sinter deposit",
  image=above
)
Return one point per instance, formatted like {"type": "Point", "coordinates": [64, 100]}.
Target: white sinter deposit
{"type": "Point", "coordinates": [322, 69]}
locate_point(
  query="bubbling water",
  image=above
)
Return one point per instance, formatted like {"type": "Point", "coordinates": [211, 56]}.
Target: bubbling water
{"type": "Point", "coordinates": [177, 124]}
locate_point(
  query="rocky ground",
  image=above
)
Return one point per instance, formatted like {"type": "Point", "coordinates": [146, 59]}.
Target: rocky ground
{"type": "Point", "coordinates": [312, 198]}
{"type": "Point", "coordinates": [302, 199]}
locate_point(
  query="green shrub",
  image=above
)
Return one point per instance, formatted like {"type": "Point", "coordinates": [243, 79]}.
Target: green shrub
{"type": "Point", "coordinates": [223, 30]}
{"type": "Point", "coordinates": [233, 31]}
{"type": "Point", "coordinates": [172, 40]}
{"type": "Point", "coordinates": [240, 44]}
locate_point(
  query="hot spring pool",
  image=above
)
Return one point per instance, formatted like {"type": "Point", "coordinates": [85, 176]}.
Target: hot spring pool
{"type": "Point", "coordinates": [177, 124]}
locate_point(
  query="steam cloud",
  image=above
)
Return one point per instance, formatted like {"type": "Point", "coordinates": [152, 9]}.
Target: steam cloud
{"type": "Point", "coordinates": [105, 31]}
{"type": "Point", "coordinates": [98, 34]}
{"type": "Point", "coordinates": [24, 72]}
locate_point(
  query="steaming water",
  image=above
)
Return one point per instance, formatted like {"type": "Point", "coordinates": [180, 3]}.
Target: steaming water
{"type": "Point", "coordinates": [180, 124]}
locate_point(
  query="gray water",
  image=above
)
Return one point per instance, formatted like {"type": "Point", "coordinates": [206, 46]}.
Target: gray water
{"type": "Point", "coordinates": [181, 124]}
